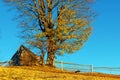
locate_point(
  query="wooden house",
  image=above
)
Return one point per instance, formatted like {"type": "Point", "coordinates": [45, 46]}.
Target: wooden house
{"type": "Point", "coordinates": [24, 57]}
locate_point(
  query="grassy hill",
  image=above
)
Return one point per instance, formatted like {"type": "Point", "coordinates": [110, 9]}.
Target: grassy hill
{"type": "Point", "coordinates": [47, 73]}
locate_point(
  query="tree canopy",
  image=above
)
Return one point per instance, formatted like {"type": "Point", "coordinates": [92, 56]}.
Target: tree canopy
{"type": "Point", "coordinates": [54, 27]}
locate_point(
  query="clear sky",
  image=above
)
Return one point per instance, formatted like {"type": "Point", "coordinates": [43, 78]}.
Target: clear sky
{"type": "Point", "coordinates": [102, 48]}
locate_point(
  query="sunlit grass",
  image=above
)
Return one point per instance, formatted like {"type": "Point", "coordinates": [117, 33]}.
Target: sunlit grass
{"type": "Point", "coordinates": [46, 73]}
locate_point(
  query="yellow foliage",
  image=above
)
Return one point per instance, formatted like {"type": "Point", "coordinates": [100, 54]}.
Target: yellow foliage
{"type": "Point", "coordinates": [40, 35]}
{"type": "Point", "coordinates": [69, 28]}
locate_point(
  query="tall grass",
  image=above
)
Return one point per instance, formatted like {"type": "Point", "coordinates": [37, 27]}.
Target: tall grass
{"type": "Point", "coordinates": [45, 73]}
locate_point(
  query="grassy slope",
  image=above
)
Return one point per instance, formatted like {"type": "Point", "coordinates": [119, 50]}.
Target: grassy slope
{"type": "Point", "coordinates": [46, 73]}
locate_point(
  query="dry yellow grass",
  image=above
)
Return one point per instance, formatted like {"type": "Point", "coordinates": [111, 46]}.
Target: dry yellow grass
{"type": "Point", "coordinates": [46, 73]}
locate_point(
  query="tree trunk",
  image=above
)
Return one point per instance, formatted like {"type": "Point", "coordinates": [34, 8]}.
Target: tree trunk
{"type": "Point", "coordinates": [51, 53]}
{"type": "Point", "coordinates": [50, 59]}
{"type": "Point", "coordinates": [42, 59]}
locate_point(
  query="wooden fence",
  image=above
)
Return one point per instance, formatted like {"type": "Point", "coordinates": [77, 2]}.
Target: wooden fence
{"type": "Point", "coordinates": [86, 68]}
{"type": "Point", "coordinates": [4, 63]}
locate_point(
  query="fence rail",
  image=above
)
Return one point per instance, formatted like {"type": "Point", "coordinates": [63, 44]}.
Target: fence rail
{"type": "Point", "coordinates": [73, 67]}
{"type": "Point", "coordinates": [4, 63]}
{"type": "Point", "coordinates": [86, 68]}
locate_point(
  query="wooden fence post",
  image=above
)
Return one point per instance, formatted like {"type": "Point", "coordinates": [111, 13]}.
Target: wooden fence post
{"type": "Point", "coordinates": [61, 65]}
{"type": "Point", "coordinates": [91, 67]}
{"type": "Point", "coordinates": [110, 71]}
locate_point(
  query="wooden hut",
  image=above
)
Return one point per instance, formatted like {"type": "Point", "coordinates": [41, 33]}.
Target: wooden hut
{"type": "Point", "coordinates": [24, 57]}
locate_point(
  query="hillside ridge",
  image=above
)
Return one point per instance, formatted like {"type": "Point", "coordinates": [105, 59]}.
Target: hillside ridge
{"type": "Point", "coordinates": [44, 72]}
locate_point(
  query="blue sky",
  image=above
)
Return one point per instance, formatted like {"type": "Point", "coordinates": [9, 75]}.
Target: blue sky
{"type": "Point", "coordinates": [102, 48]}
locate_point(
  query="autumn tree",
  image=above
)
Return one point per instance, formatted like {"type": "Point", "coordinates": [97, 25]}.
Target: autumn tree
{"type": "Point", "coordinates": [55, 27]}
